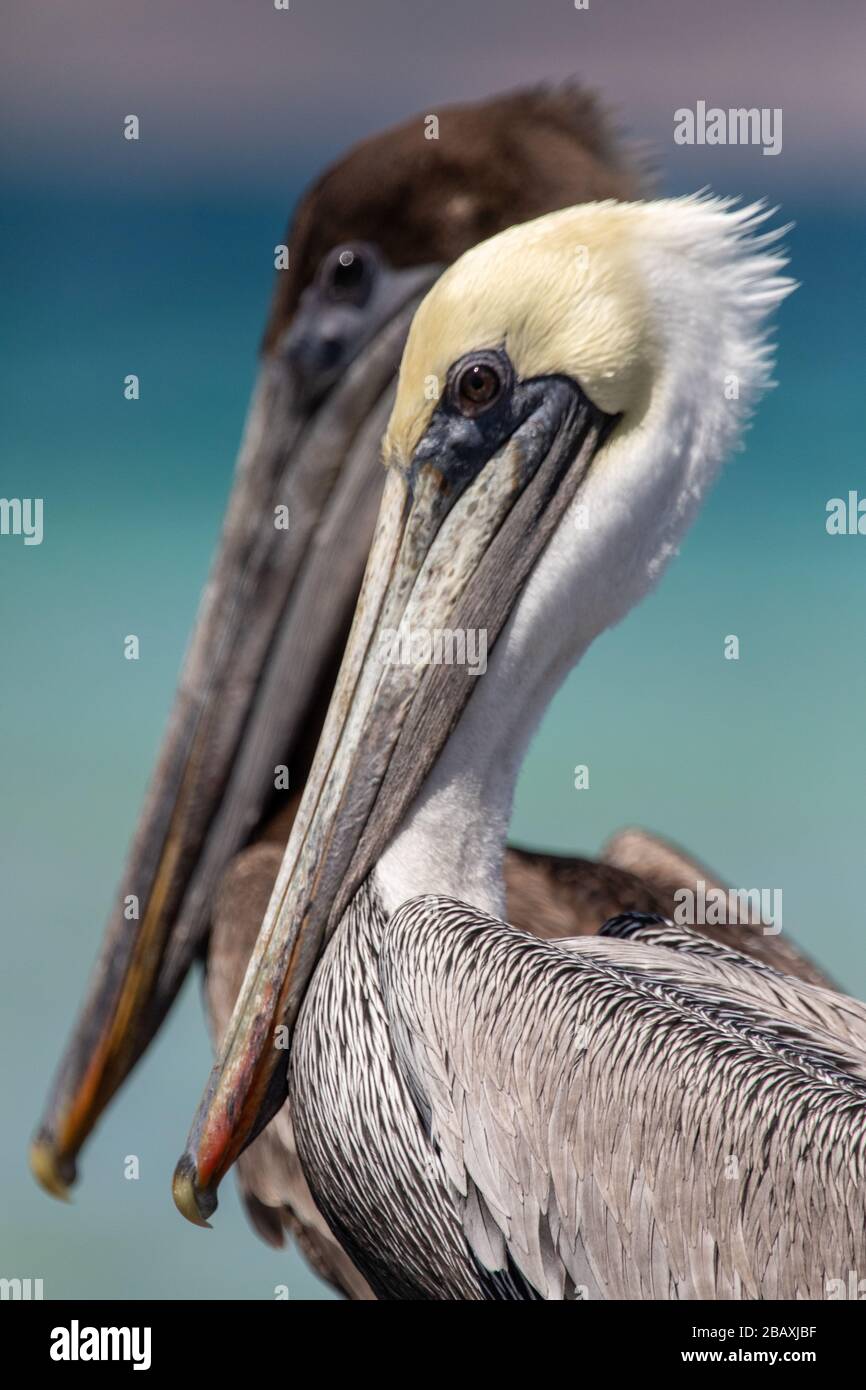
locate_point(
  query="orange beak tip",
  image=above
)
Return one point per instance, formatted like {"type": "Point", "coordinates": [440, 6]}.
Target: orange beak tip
{"type": "Point", "coordinates": [192, 1201]}
{"type": "Point", "coordinates": [54, 1174]}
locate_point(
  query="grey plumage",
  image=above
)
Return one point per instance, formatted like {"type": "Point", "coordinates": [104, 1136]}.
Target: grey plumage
{"type": "Point", "coordinates": [485, 1115]}
{"type": "Point", "coordinates": [551, 896]}
{"type": "Point", "coordinates": [378, 1185]}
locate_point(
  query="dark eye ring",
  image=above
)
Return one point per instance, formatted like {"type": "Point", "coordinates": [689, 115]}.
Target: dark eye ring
{"type": "Point", "coordinates": [347, 274]}
{"type": "Point", "coordinates": [478, 384]}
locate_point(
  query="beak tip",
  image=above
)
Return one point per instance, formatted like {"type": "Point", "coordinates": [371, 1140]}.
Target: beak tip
{"type": "Point", "coordinates": [193, 1202]}
{"type": "Point", "coordinates": [55, 1174]}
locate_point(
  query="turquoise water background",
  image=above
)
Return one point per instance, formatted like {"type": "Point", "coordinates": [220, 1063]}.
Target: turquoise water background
{"type": "Point", "coordinates": [758, 766]}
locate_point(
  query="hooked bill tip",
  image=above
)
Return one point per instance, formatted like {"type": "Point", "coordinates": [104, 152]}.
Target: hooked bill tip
{"type": "Point", "coordinates": [54, 1173]}
{"type": "Point", "coordinates": [192, 1201]}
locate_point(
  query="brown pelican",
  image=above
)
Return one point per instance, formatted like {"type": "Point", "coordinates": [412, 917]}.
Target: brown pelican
{"type": "Point", "coordinates": [367, 238]}
{"type": "Point", "coordinates": [481, 1114]}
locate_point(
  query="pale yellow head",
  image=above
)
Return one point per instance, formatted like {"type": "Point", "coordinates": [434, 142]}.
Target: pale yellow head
{"type": "Point", "coordinates": [561, 294]}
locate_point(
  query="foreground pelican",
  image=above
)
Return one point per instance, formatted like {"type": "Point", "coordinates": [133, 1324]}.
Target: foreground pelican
{"type": "Point", "coordinates": [481, 1114]}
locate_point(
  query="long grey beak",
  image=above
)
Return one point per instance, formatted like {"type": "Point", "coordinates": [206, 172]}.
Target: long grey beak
{"type": "Point", "coordinates": [451, 552]}
{"type": "Point", "coordinates": [257, 676]}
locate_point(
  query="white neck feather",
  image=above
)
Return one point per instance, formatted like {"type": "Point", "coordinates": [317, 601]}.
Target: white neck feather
{"type": "Point", "coordinates": [710, 287]}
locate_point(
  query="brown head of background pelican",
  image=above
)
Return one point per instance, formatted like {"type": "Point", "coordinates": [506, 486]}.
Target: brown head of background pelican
{"type": "Point", "coordinates": [367, 240]}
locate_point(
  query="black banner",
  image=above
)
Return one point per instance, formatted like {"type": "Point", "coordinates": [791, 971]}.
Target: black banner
{"type": "Point", "coordinates": [228, 1339]}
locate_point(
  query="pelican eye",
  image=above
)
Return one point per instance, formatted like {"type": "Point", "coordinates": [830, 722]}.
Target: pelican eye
{"type": "Point", "coordinates": [478, 383]}
{"type": "Point", "coordinates": [346, 274]}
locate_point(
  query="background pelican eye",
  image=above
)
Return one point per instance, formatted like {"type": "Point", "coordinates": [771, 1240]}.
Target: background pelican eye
{"type": "Point", "coordinates": [478, 387]}
{"type": "Point", "coordinates": [347, 274]}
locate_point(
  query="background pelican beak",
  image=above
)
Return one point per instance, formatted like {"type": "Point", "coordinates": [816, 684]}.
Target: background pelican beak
{"type": "Point", "coordinates": [454, 543]}
{"type": "Point", "coordinates": [267, 644]}
{"type": "Point", "coordinates": [254, 686]}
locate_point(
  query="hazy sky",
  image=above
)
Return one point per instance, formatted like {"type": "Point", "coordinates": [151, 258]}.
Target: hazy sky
{"type": "Point", "coordinates": [233, 93]}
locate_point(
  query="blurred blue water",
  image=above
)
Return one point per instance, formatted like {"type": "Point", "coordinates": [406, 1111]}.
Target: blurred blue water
{"type": "Point", "coordinates": [758, 766]}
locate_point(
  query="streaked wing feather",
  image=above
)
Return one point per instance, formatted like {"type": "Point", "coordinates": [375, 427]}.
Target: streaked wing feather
{"type": "Point", "coordinates": [683, 1126]}
{"type": "Point", "coordinates": [842, 1016]}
